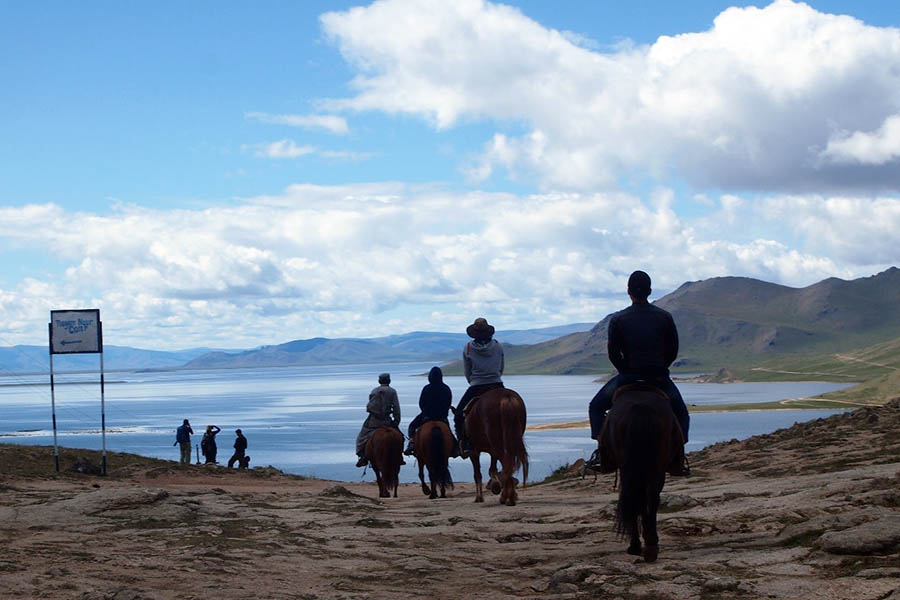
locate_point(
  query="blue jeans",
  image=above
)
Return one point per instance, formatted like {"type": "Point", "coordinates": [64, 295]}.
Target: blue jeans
{"type": "Point", "coordinates": [602, 401]}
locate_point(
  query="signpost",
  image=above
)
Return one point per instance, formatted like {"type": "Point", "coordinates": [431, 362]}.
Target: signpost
{"type": "Point", "coordinates": [77, 332]}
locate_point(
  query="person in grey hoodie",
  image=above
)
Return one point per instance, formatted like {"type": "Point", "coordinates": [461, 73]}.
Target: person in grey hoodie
{"type": "Point", "coordinates": [483, 367]}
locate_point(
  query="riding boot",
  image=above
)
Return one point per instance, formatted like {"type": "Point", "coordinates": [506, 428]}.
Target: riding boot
{"type": "Point", "coordinates": [454, 451]}
{"type": "Point", "coordinates": [465, 447]}
{"type": "Point", "coordinates": [679, 465]}
{"type": "Point", "coordinates": [363, 461]}
{"type": "Point", "coordinates": [410, 451]}
{"type": "Point", "coordinates": [602, 460]}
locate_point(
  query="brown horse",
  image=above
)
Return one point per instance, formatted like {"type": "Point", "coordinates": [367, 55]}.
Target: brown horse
{"type": "Point", "coordinates": [433, 446]}
{"type": "Point", "coordinates": [495, 423]}
{"type": "Point", "coordinates": [644, 436]}
{"type": "Point", "coordinates": [385, 452]}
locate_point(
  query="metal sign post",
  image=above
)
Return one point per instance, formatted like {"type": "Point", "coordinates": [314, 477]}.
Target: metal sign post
{"type": "Point", "coordinates": [77, 332]}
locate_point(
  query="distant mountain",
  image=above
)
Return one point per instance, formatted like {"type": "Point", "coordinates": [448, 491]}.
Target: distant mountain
{"type": "Point", "coordinates": [414, 346]}
{"type": "Point", "coordinates": [738, 321]}
{"type": "Point", "coordinates": [36, 359]}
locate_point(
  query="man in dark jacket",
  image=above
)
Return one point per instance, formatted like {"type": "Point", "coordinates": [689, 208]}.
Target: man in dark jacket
{"type": "Point", "coordinates": [643, 343]}
{"type": "Point", "coordinates": [483, 367]}
{"type": "Point", "coordinates": [240, 448]}
{"type": "Point", "coordinates": [434, 404]}
{"type": "Point", "coordinates": [183, 439]}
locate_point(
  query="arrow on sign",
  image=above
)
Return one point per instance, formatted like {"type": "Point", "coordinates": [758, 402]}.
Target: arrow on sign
{"type": "Point", "coordinates": [64, 342]}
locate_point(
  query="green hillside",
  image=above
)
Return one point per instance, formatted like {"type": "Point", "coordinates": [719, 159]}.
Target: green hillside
{"type": "Point", "coordinates": [737, 328]}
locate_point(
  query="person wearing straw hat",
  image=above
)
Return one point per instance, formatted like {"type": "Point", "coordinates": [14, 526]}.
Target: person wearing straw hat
{"type": "Point", "coordinates": [483, 367]}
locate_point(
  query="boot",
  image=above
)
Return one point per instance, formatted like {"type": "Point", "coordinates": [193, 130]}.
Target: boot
{"type": "Point", "coordinates": [679, 466]}
{"type": "Point", "coordinates": [602, 461]}
{"type": "Point", "coordinates": [410, 451]}
{"type": "Point", "coordinates": [363, 461]}
{"type": "Point", "coordinates": [465, 447]}
{"type": "Point", "coordinates": [454, 451]}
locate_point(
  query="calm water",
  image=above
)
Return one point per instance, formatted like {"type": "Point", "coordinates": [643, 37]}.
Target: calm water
{"type": "Point", "coordinates": [304, 420]}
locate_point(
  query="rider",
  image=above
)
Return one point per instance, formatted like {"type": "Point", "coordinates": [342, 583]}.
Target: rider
{"type": "Point", "coordinates": [483, 366]}
{"type": "Point", "coordinates": [384, 411]}
{"type": "Point", "coordinates": [434, 403]}
{"type": "Point", "coordinates": [643, 343]}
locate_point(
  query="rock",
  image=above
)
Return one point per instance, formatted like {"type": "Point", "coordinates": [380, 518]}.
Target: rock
{"type": "Point", "coordinates": [720, 584]}
{"type": "Point", "coordinates": [574, 574]}
{"type": "Point", "coordinates": [84, 465]}
{"type": "Point", "coordinates": [875, 536]}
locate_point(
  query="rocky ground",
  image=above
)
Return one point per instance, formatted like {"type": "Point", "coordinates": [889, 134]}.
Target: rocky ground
{"type": "Point", "coordinates": [807, 512]}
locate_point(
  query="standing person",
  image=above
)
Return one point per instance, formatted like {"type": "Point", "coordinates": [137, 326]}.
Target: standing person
{"type": "Point", "coordinates": [483, 367]}
{"type": "Point", "coordinates": [240, 447]}
{"type": "Point", "coordinates": [384, 411]}
{"type": "Point", "coordinates": [434, 403]}
{"type": "Point", "coordinates": [183, 438]}
{"type": "Point", "coordinates": [208, 444]}
{"type": "Point", "coordinates": [643, 343]}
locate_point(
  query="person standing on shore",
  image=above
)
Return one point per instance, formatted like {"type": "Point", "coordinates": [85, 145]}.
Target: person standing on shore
{"type": "Point", "coordinates": [383, 410]}
{"type": "Point", "coordinates": [483, 367]}
{"type": "Point", "coordinates": [240, 448]}
{"type": "Point", "coordinates": [208, 444]}
{"type": "Point", "coordinates": [183, 439]}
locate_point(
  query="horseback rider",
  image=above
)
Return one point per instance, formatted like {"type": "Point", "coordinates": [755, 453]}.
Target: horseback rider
{"type": "Point", "coordinates": [483, 367]}
{"type": "Point", "coordinates": [643, 343]}
{"type": "Point", "coordinates": [384, 411]}
{"type": "Point", "coordinates": [434, 403]}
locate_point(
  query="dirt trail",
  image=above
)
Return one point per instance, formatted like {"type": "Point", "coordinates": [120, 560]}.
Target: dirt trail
{"type": "Point", "coordinates": [812, 511]}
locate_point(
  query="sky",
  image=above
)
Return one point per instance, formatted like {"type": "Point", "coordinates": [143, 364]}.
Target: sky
{"type": "Point", "coordinates": [228, 174]}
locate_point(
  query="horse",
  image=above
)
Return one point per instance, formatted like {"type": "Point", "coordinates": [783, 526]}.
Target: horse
{"type": "Point", "coordinates": [495, 423]}
{"type": "Point", "coordinates": [385, 452]}
{"type": "Point", "coordinates": [433, 444]}
{"type": "Point", "coordinates": [643, 435]}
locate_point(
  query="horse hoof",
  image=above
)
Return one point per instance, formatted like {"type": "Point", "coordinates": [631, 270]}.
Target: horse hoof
{"type": "Point", "coordinates": [495, 487]}
{"type": "Point", "coordinates": [634, 550]}
{"type": "Point", "coordinates": [650, 553]}
{"type": "Point", "coordinates": [479, 499]}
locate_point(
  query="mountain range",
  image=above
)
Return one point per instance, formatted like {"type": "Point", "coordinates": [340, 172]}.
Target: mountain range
{"type": "Point", "coordinates": [737, 322]}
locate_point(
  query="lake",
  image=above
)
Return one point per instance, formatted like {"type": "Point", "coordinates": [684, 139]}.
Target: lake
{"type": "Point", "coordinates": [304, 420]}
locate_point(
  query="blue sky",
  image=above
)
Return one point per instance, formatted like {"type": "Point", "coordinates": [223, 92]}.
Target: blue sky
{"type": "Point", "coordinates": [223, 174]}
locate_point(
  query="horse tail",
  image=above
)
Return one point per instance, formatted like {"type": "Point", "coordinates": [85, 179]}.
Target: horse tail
{"type": "Point", "coordinates": [438, 467]}
{"type": "Point", "coordinates": [512, 423]}
{"type": "Point", "coordinates": [392, 454]}
{"type": "Point", "coordinates": [641, 450]}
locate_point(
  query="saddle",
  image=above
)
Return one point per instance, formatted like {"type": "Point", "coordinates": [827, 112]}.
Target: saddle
{"type": "Point", "coordinates": [643, 386]}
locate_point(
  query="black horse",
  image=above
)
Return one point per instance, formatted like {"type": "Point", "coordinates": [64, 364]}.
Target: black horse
{"type": "Point", "coordinates": [644, 436]}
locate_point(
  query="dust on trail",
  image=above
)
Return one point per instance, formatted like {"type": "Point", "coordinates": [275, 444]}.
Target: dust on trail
{"type": "Point", "coordinates": [811, 511]}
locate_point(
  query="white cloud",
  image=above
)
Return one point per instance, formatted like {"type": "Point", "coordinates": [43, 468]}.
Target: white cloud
{"type": "Point", "coordinates": [752, 103]}
{"type": "Point", "coordinates": [348, 260]}
{"type": "Point", "coordinates": [331, 123]}
{"type": "Point", "coordinates": [876, 148]}
{"type": "Point", "coordinates": [283, 149]}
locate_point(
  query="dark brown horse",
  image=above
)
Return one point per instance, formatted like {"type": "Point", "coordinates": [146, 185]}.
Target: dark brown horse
{"type": "Point", "coordinates": [495, 423]}
{"type": "Point", "coordinates": [385, 452]}
{"type": "Point", "coordinates": [433, 444]}
{"type": "Point", "coordinates": [644, 436]}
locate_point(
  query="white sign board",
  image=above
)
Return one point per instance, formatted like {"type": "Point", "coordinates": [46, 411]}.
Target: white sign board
{"type": "Point", "coordinates": [75, 331]}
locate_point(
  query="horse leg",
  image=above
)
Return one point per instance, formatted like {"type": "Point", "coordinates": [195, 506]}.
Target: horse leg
{"type": "Point", "coordinates": [422, 476]}
{"type": "Point", "coordinates": [433, 491]}
{"type": "Point", "coordinates": [476, 467]}
{"type": "Point", "coordinates": [494, 483]}
{"type": "Point", "coordinates": [508, 482]}
{"type": "Point", "coordinates": [651, 536]}
{"type": "Point", "coordinates": [382, 488]}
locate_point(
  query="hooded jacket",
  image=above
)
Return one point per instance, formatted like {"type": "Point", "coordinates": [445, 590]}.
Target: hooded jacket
{"type": "Point", "coordinates": [483, 362]}
{"type": "Point", "coordinates": [436, 397]}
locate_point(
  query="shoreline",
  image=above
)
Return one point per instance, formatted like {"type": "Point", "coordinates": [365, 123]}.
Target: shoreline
{"type": "Point", "coordinates": [779, 405]}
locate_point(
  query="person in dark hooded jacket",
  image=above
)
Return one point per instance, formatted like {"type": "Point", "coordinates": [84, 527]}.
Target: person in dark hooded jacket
{"type": "Point", "coordinates": [434, 403]}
